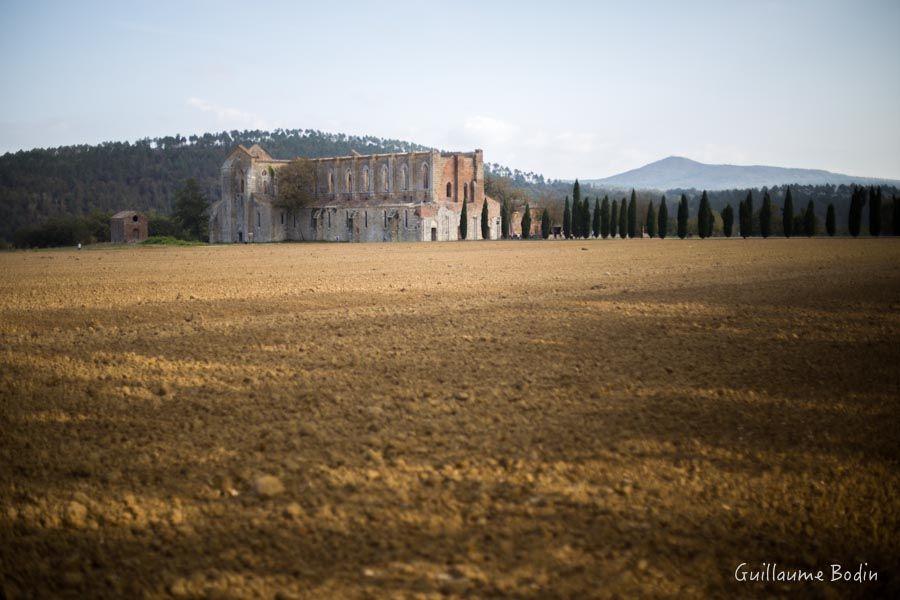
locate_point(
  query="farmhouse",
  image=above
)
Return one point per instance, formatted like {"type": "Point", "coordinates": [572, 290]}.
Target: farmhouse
{"type": "Point", "coordinates": [414, 196]}
{"type": "Point", "coordinates": [127, 226]}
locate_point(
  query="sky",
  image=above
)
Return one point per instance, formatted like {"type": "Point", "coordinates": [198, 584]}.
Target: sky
{"type": "Point", "coordinates": [566, 89]}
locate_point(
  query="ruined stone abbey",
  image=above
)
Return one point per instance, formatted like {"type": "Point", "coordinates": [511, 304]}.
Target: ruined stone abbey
{"type": "Point", "coordinates": [415, 196]}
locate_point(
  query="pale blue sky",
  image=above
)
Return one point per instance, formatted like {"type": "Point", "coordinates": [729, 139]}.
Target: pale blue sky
{"type": "Point", "coordinates": [569, 89]}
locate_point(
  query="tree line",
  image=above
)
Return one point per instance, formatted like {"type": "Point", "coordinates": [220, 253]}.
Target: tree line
{"type": "Point", "coordinates": [626, 219]}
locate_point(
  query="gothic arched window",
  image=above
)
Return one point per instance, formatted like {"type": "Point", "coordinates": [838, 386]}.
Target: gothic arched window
{"type": "Point", "coordinates": [449, 189]}
{"type": "Point", "coordinates": [330, 182]}
{"type": "Point", "coordinates": [465, 192]}
{"type": "Point", "coordinates": [384, 178]}
{"type": "Point", "coordinates": [424, 176]}
{"type": "Point", "coordinates": [365, 179]}
{"type": "Point", "coordinates": [348, 180]}
{"type": "Point", "coordinates": [404, 178]}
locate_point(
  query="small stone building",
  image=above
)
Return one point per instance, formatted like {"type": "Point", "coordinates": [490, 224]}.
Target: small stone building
{"type": "Point", "coordinates": [127, 226]}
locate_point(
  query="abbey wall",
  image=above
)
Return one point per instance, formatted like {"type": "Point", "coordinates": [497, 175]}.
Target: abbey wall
{"type": "Point", "coordinates": [416, 196]}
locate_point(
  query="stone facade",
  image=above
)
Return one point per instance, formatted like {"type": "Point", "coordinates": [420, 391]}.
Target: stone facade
{"type": "Point", "coordinates": [127, 226]}
{"type": "Point", "coordinates": [415, 196]}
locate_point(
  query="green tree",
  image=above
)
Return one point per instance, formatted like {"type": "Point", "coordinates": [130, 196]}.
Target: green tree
{"type": "Point", "coordinates": [294, 184]}
{"type": "Point", "coordinates": [854, 219]}
{"type": "Point", "coordinates": [895, 221]}
{"type": "Point", "coordinates": [663, 218]}
{"type": "Point", "coordinates": [567, 220]}
{"type": "Point", "coordinates": [829, 220]}
{"type": "Point", "coordinates": [595, 225]}
{"type": "Point", "coordinates": [765, 216]}
{"type": "Point", "coordinates": [787, 214]}
{"type": "Point", "coordinates": [546, 225]}
{"type": "Point", "coordinates": [485, 222]}
{"type": "Point", "coordinates": [703, 215]}
{"type": "Point", "coordinates": [742, 219]}
{"type": "Point", "coordinates": [809, 220]}
{"type": "Point", "coordinates": [613, 219]}
{"type": "Point", "coordinates": [604, 217]}
{"type": "Point", "coordinates": [651, 220]}
{"type": "Point", "coordinates": [623, 219]}
{"type": "Point", "coordinates": [683, 217]}
{"type": "Point", "coordinates": [576, 210]}
{"type": "Point", "coordinates": [632, 215]}
{"type": "Point", "coordinates": [504, 220]}
{"type": "Point", "coordinates": [748, 205]}
{"type": "Point", "coordinates": [192, 210]}
{"type": "Point", "coordinates": [463, 221]}
{"type": "Point", "coordinates": [586, 218]}
{"type": "Point", "coordinates": [727, 220]}
{"type": "Point", "coordinates": [526, 223]}
{"type": "Point", "coordinates": [875, 212]}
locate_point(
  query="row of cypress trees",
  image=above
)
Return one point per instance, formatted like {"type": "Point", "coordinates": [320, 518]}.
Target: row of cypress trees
{"type": "Point", "coordinates": [611, 219]}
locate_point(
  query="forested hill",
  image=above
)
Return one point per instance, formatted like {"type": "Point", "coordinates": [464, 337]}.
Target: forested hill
{"type": "Point", "coordinates": [75, 180]}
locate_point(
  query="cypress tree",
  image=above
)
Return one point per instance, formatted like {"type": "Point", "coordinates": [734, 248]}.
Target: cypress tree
{"type": "Point", "coordinates": [651, 220]}
{"type": "Point", "coordinates": [595, 225]}
{"type": "Point", "coordinates": [613, 219]}
{"type": "Point", "coordinates": [604, 217]}
{"type": "Point", "coordinates": [727, 220]}
{"type": "Point", "coordinates": [742, 219]}
{"type": "Point", "coordinates": [545, 224]}
{"type": "Point", "coordinates": [829, 220]}
{"type": "Point", "coordinates": [623, 219]}
{"type": "Point", "coordinates": [663, 218]}
{"type": "Point", "coordinates": [765, 216]}
{"type": "Point", "coordinates": [567, 220]}
{"type": "Point", "coordinates": [504, 220]}
{"type": "Point", "coordinates": [586, 218]}
{"type": "Point", "coordinates": [809, 220]}
{"type": "Point", "coordinates": [526, 223]}
{"type": "Point", "coordinates": [748, 206]}
{"type": "Point", "coordinates": [485, 225]}
{"type": "Point", "coordinates": [682, 217]}
{"type": "Point", "coordinates": [857, 201]}
{"type": "Point", "coordinates": [875, 212]}
{"type": "Point", "coordinates": [576, 210]}
{"type": "Point", "coordinates": [703, 216]}
{"type": "Point", "coordinates": [632, 215]}
{"type": "Point", "coordinates": [463, 222]}
{"type": "Point", "coordinates": [787, 213]}
{"type": "Point", "coordinates": [895, 221]}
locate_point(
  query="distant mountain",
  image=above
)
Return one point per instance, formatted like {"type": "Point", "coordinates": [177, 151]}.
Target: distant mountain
{"type": "Point", "coordinates": [677, 172]}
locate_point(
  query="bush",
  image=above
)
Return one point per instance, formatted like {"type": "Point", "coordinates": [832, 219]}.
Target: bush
{"type": "Point", "coordinates": [167, 240]}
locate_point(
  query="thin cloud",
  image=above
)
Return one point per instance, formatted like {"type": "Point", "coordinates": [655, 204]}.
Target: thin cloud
{"type": "Point", "coordinates": [228, 116]}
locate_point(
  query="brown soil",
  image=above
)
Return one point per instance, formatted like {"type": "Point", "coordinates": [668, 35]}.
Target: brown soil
{"type": "Point", "coordinates": [530, 419]}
